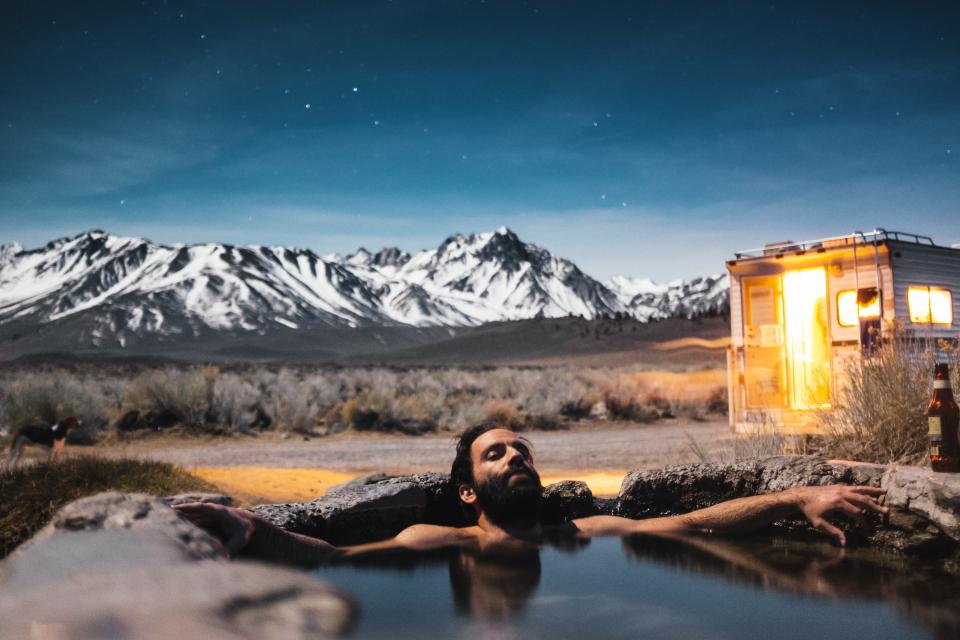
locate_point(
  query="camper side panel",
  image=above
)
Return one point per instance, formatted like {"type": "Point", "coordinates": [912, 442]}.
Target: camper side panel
{"type": "Point", "coordinates": [841, 277]}
{"type": "Point", "coordinates": [918, 265]}
{"type": "Point", "coordinates": [736, 312]}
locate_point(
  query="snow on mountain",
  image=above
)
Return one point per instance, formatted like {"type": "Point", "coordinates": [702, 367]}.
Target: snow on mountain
{"type": "Point", "coordinates": [131, 287]}
{"type": "Point", "coordinates": [647, 300]}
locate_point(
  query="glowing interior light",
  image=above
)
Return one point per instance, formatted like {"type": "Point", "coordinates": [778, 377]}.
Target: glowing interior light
{"type": "Point", "coordinates": [941, 306]}
{"type": "Point", "coordinates": [918, 300]}
{"type": "Point", "coordinates": [850, 307]}
{"type": "Point", "coordinates": [808, 357]}
{"type": "Point", "coordinates": [847, 308]}
{"type": "Point", "coordinates": [930, 305]}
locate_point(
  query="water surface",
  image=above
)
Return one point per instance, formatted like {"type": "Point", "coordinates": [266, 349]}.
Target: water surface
{"type": "Point", "coordinates": [653, 588]}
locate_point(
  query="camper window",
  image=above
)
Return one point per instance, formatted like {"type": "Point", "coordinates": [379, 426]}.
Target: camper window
{"type": "Point", "coordinates": [929, 305]}
{"type": "Point", "coordinates": [852, 306]}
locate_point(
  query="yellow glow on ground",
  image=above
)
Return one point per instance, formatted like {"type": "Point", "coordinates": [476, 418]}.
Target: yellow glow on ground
{"type": "Point", "coordinates": [688, 386]}
{"type": "Point", "coordinates": [603, 484]}
{"type": "Point", "coordinates": [254, 485]}
{"type": "Point", "coordinates": [268, 484]}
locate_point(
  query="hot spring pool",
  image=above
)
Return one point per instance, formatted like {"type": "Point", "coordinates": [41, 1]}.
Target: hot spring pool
{"type": "Point", "coordinates": [654, 588]}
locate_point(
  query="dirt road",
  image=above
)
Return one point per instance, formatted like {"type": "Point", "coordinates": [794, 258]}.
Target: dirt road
{"type": "Point", "coordinates": [600, 448]}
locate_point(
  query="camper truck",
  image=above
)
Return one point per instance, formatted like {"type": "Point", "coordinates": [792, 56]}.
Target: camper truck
{"type": "Point", "coordinates": [799, 310]}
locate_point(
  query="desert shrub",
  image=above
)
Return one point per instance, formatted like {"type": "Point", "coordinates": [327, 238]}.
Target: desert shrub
{"type": "Point", "coordinates": [236, 404]}
{"type": "Point", "coordinates": [49, 397]}
{"type": "Point", "coordinates": [717, 401]}
{"type": "Point", "coordinates": [380, 411]}
{"type": "Point", "coordinates": [879, 413]}
{"type": "Point", "coordinates": [626, 408]}
{"type": "Point", "coordinates": [175, 395]}
{"type": "Point", "coordinates": [291, 402]}
{"type": "Point", "coordinates": [30, 495]}
{"type": "Point", "coordinates": [505, 413]}
{"type": "Point", "coordinates": [766, 439]}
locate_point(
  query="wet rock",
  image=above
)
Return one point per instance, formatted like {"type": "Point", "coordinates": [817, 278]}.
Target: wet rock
{"type": "Point", "coordinates": [566, 500]}
{"type": "Point", "coordinates": [360, 481]}
{"type": "Point", "coordinates": [184, 498]}
{"type": "Point", "coordinates": [925, 506]}
{"type": "Point", "coordinates": [377, 506]}
{"type": "Point", "coordinates": [125, 566]}
{"type": "Point", "coordinates": [137, 511]}
{"type": "Point", "coordinates": [370, 509]}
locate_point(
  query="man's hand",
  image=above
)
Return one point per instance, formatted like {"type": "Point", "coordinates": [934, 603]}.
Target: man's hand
{"type": "Point", "coordinates": [854, 502]}
{"type": "Point", "coordinates": [234, 527]}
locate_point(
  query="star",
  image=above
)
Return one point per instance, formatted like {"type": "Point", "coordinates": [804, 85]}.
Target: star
{"type": "Point", "coordinates": [355, 89]}
{"type": "Point", "coordinates": [306, 106]}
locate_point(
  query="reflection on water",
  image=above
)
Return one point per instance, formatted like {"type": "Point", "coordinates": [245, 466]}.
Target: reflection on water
{"type": "Point", "coordinates": [677, 588]}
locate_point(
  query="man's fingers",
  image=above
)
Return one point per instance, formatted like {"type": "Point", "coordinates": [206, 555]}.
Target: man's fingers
{"type": "Point", "coordinates": [870, 491]}
{"type": "Point", "coordinates": [239, 537]}
{"type": "Point", "coordinates": [855, 513]}
{"type": "Point", "coordinates": [826, 527]}
{"type": "Point", "coordinates": [865, 502]}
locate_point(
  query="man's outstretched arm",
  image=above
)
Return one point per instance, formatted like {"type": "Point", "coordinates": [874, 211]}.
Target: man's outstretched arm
{"type": "Point", "coordinates": [745, 514]}
{"type": "Point", "coordinates": [240, 529]}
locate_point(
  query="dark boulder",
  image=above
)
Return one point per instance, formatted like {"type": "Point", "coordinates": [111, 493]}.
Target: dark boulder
{"type": "Point", "coordinates": [925, 506]}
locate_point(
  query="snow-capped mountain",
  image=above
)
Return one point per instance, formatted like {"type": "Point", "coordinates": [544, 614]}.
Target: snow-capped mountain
{"type": "Point", "coordinates": [130, 288]}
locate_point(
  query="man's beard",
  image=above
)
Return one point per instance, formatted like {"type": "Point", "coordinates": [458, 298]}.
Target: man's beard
{"type": "Point", "coordinates": [515, 506]}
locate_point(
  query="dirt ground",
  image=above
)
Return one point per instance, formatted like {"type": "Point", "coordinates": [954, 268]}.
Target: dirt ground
{"type": "Point", "coordinates": [273, 468]}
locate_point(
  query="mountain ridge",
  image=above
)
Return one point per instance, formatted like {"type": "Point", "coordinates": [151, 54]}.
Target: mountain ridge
{"type": "Point", "coordinates": [129, 289]}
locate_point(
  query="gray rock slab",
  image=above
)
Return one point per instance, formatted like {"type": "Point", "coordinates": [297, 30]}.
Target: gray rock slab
{"type": "Point", "coordinates": [184, 498]}
{"type": "Point", "coordinates": [369, 510]}
{"type": "Point", "coordinates": [374, 507]}
{"type": "Point", "coordinates": [567, 500]}
{"type": "Point", "coordinates": [925, 506]}
{"type": "Point", "coordinates": [126, 566]}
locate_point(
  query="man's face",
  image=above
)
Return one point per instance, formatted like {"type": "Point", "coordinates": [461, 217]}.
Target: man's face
{"type": "Point", "coordinates": [506, 483]}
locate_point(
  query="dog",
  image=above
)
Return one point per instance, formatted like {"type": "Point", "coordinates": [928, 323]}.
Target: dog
{"type": "Point", "coordinates": [40, 435]}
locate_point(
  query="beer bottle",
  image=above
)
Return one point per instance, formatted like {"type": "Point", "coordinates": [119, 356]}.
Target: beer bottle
{"type": "Point", "coordinates": [943, 416]}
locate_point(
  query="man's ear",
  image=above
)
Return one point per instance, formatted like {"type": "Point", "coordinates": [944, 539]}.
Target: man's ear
{"type": "Point", "coordinates": [467, 494]}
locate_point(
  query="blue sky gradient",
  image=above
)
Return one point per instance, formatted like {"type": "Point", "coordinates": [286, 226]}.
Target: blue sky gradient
{"type": "Point", "coordinates": [633, 138]}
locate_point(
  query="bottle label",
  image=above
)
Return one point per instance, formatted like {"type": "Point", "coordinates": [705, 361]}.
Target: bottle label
{"type": "Point", "coordinates": [934, 425]}
{"type": "Point", "coordinates": [935, 451]}
{"type": "Point", "coordinates": [940, 384]}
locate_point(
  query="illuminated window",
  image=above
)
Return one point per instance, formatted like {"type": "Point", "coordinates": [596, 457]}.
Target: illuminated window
{"type": "Point", "coordinates": [852, 306]}
{"type": "Point", "coordinates": [930, 305]}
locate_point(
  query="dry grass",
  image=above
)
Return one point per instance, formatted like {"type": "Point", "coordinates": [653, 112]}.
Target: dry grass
{"type": "Point", "coordinates": [303, 400]}
{"type": "Point", "coordinates": [879, 414]}
{"type": "Point", "coordinates": [29, 495]}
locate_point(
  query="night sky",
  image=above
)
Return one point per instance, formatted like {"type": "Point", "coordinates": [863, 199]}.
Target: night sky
{"type": "Point", "coordinates": [646, 139]}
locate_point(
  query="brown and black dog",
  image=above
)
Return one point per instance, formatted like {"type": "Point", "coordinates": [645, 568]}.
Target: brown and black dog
{"type": "Point", "coordinates": [41, 435]}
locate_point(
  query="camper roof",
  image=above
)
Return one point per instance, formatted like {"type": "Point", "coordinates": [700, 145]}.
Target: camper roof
{"type": "Point", "coordinates": [876, 236]}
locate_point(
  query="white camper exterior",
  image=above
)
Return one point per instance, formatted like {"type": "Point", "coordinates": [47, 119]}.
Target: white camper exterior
{"type": "Point", "coordinates": [797, 310]}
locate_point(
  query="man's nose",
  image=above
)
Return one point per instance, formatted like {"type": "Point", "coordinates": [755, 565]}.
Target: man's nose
{"type": "Point", "coordinates": [515, 458]}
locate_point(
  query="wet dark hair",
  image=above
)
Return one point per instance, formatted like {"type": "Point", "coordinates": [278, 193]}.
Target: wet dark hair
{"type": "Point", "coordinates": [461, 471]}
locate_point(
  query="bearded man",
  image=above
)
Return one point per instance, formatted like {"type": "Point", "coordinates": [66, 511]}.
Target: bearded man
{"type": "Point", "coordinates": [496, 481]}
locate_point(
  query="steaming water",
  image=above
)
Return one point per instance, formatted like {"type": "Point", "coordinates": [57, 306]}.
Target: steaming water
{"type": "Point", "coordinates": [650, 588]}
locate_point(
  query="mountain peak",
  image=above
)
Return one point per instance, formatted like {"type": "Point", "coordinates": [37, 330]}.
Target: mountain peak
{"type": "Point", "coordinates": [131, 288]}
{"type": "Point", "coordinates": [390, 257]}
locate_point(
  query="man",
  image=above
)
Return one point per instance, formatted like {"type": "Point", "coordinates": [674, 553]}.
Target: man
{"type": "Point", "coordinates": [495, 478]}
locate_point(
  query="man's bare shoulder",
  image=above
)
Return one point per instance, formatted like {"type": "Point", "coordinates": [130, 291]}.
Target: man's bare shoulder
{"type": "Point", "coordinates": [433, 536]}
{"type": "Point", "coordinates": [418, 537]}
